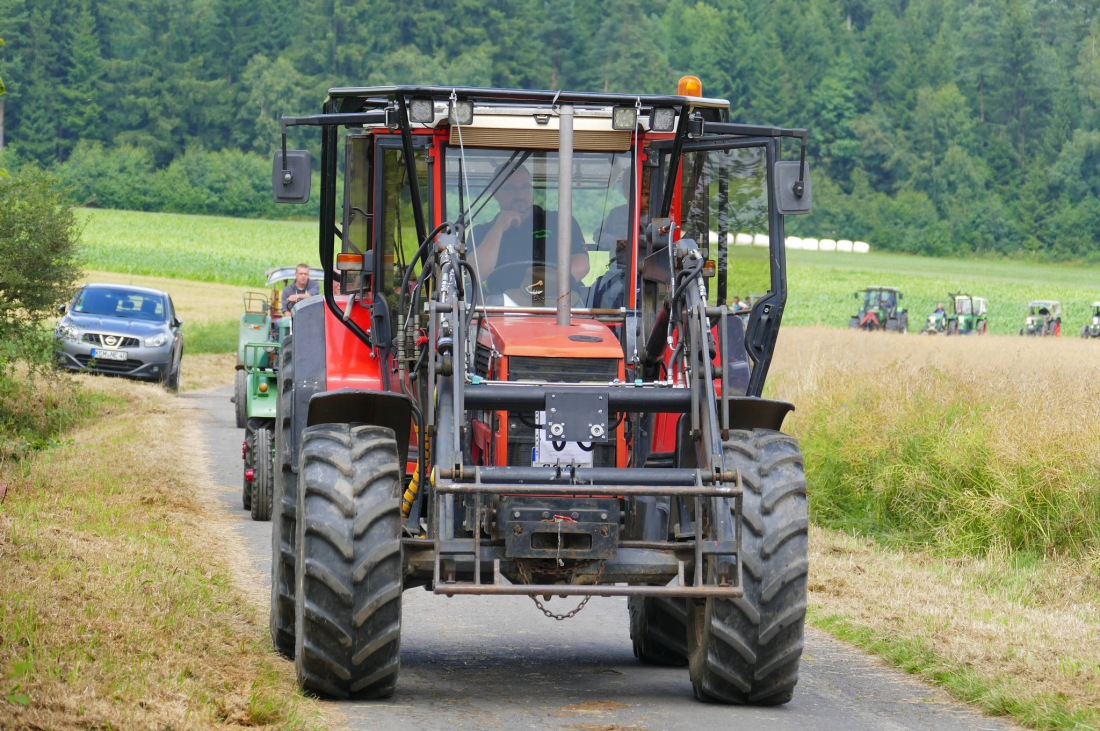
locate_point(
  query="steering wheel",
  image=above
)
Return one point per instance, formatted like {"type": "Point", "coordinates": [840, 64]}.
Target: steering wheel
{"type": "Point", "coordinates": [537, 286]}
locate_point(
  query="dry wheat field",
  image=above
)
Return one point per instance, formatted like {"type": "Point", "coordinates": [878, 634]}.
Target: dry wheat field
{"type": "Point", "coordinates": [969, 469]}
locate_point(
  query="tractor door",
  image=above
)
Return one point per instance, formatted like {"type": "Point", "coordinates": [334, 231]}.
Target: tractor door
{"type": "Point", "coordinates": [723, 198]}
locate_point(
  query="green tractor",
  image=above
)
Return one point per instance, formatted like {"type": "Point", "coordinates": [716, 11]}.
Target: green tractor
{"type": "Point", "coordinates": [261, 388]}
{"type": "Point", "coordinates": [1092, 329]}
{"type": "Point", "coordinates": [880, 311]}
{"type": "Point", "coordinates": [937, 321]}
{"type": "Point", "coordinates": [1044, 319]}
{"type": "Point", "coordinates": [262, 322]}
{"type": "Point", "coordinates": [969, 316]}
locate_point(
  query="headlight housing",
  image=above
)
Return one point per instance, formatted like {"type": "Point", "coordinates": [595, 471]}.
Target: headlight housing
{"type": "Point", "coordinates": [157, 340]}
{"type": "Point", "coordinates": [67, 331]}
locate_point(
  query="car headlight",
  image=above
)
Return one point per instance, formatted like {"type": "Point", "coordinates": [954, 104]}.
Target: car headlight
{"type": "Point", "coordinates": [67, 331]}
{"type": "Point", "coordinates": [157, 340]}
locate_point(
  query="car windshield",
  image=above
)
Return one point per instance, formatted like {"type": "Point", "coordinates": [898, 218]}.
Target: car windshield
{"type": "Point", "coordinates": [130, 304]}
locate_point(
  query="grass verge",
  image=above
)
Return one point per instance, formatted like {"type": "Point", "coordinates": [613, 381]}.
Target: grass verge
{"type": "Point", "coordinates": [117, 610]}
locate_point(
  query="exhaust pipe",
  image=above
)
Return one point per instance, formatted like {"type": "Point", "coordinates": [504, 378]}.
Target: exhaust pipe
{"type": "Point", "coordinates": [565, 212]}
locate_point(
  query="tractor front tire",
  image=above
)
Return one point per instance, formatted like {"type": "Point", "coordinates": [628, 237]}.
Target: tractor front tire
{"type": "Point", "coordinates": [263, 482]}
{"type": "Point", "coordinates": [246, 486]}
{"type": "Point", "coordinates": [284, 513]}
{"type": "Point", "coordinates": [348, 577]}
{"type": "Point", "coordinates": [658, 627]}
{"type": "Point", "coordinates": [240, 398]}
{"type": "Point", "coordinates": [748, 650]}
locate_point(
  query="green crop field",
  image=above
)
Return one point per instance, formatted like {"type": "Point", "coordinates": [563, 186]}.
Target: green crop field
{"type": "Point", "coordinates": [822, 284]}
{"type": "Point", "coordinates": [198, 248]}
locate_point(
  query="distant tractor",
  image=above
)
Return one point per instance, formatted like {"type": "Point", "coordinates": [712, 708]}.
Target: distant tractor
{"type": "Point", "coordinates": [936, 323]}
{"type": "Point", "coordinates": [1092, 329]}
{"type": "Point", "coordinates": [1044, 319]}
{"type": "Point", "coordinates": [523, 378]}
{"type": "Point", "coordinates": [260, 323]}
{"type": "Point", "coordinates": [880, 311]}
{"type": "Point", "coordinates": [968, 316]}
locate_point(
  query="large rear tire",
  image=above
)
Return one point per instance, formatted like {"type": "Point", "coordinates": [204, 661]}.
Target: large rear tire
{"type": "Point", "coordinates": [284, 513]}
{"type": "Point", "coordinates": [240, 398]}
{"type": "Point", "coordinates": [263, 484]}
{"type": "Point", "coordinates": [658, 628]}
{"type": "Point", "coordinates": [747, 651]}
{"type": "Point", "coordinates": [348, 580]}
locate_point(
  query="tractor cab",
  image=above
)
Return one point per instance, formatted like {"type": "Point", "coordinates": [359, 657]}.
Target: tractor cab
{"type": "Point", "coordinates": [525, 376]}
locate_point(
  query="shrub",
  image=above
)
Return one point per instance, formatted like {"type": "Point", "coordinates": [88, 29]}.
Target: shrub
{"type": "Point", "coordinates": [39, 244]}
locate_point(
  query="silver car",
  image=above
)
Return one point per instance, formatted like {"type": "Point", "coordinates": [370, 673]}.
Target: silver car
{"type": "Point", "coordinates": [122, 330]}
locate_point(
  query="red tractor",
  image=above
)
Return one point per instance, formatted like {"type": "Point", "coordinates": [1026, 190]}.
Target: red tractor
{"type": "Point", "coordinates": [531, 382]}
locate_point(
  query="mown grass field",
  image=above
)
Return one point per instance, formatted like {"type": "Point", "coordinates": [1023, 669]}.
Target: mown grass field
{"type": "Point", "coordinates": [238, 251]}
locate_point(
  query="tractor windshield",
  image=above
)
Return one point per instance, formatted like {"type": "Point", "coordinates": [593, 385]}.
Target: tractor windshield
{"type": "Point", "coordinates": [963, 306]}
{"type": "Point", "coordinates": [508, 201]}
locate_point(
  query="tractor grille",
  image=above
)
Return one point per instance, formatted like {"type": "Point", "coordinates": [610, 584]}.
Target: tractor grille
{"type": "Point", "coordinates": [563, 370]}
{"type": "Point", "coordinates": [481, 360]}
{"type": "Point", "coordinates": [521, 436]}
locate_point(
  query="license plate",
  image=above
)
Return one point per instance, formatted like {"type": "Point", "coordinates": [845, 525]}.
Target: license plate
{"type": "Point", "coordinates": [548, 452]}
{"type": "Point", "coordinates": [100, 354]}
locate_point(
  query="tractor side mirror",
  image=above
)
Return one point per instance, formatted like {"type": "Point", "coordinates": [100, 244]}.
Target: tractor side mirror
{"type": "Point", "coordinates": [292, 176]}
{"type": "Point", "coordinates": [793, 192]}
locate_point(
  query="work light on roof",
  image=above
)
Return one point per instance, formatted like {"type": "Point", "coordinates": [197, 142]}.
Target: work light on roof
{"type": "Point", "coordinates": [663, 119]}
{"type": "Point", "coordinates": [624, 118]}
{"type": "Point", "coordinates": [462, 112]}
{"type": "Point", "coordinates": [421, 110]}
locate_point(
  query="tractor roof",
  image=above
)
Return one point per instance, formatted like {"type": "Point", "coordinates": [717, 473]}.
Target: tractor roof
{"type": "Point", "coordinates": [874, 287]}
{"type": "Point", "coordinates": [381, 96]}
{"type": "Point", "coordinates": [1044, 303]}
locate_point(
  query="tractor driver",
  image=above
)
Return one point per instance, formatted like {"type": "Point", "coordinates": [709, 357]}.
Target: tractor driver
{"type": "Point", "coordinates": [522, 233]}
{"type": "Point", "coordinates": [301, 288]}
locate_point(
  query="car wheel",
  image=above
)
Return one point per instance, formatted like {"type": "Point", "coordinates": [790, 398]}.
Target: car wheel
{"type": "Point", "coordinates": [172, 382]}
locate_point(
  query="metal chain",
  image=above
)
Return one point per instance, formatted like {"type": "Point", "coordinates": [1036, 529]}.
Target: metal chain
{"type": "Point", "coordinates": [568, 615]}
{"type": "Point", "coordinates": [560, 617]}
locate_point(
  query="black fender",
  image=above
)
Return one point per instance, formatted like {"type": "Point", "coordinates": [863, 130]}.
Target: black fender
{"type": "Point", "coordinates": [751, 412]}
{"type": "Point", "coordinates": [310, 371]}
{"type": "Point", "coordinates": [361, 406]}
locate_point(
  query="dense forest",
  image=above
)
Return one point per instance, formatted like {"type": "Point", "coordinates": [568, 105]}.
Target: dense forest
{"type": "Point", "coordinates": [945, 127]}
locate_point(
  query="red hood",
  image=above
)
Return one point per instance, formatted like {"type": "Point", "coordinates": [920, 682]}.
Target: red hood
{"type": "Point", "coordinates": [542, 337]}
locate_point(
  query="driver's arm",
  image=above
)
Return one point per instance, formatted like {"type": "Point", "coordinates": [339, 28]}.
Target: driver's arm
{"type": "Point", "coordinates": [487, 250]}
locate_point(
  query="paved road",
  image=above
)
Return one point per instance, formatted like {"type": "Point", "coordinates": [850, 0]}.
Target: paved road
{"type": "Point", "coordinates": [498, 663]}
